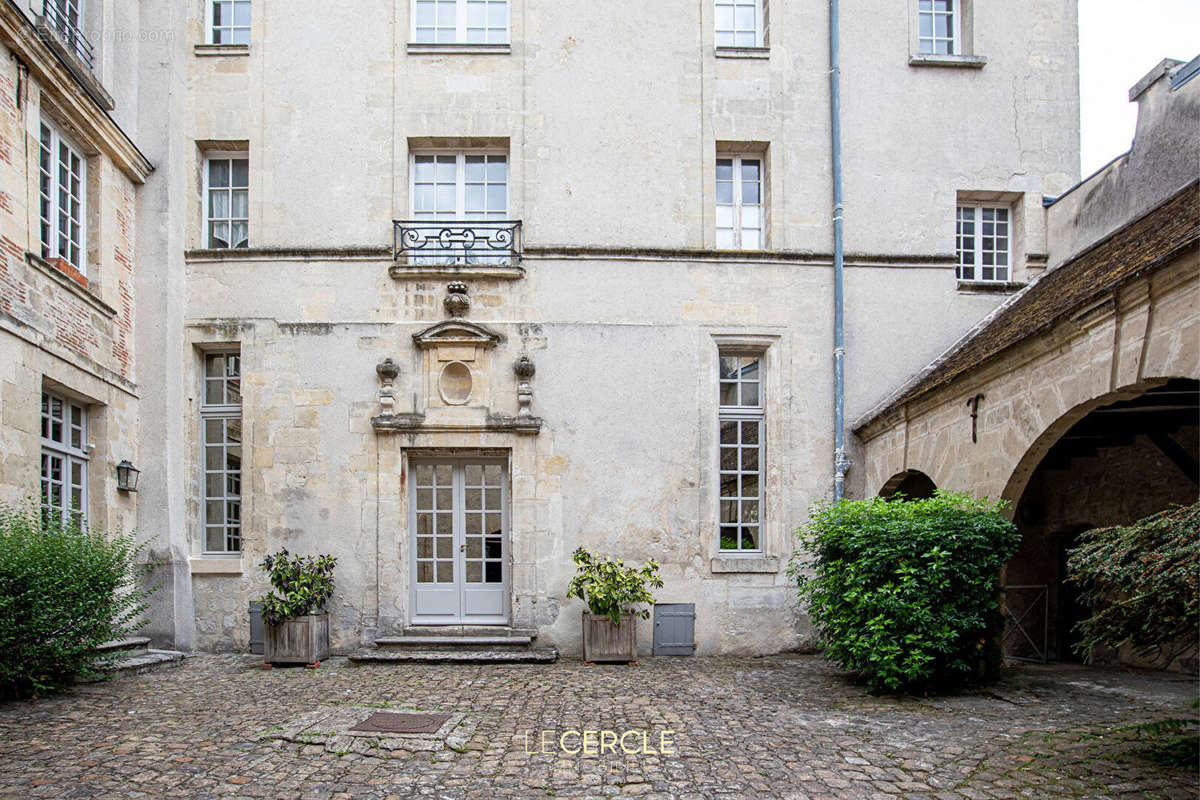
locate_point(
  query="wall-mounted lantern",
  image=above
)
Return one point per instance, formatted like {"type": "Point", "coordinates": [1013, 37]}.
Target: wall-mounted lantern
{"type": "Point", "coordinates": [127, 477]}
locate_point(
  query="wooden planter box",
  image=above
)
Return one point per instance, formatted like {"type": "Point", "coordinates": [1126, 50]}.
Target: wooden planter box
{"type": "Point", "coordinates": [300, 640]}
{"type": "Point", "coordinates": [603, 641]}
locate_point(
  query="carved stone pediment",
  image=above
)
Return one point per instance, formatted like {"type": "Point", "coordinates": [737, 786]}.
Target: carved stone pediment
{"type": "Point", "coordinates": [457, 332]}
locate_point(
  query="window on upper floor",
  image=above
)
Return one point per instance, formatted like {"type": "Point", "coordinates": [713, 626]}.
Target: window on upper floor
{"type": "Point", "coordinates": [65, 18]}
{"type": "Point", "coordinates": [460, 22]}
{"type": "Point", "coordinates": [983, 239]}
{"type": "Point", "coordinates": [740, 465]}
{"type": "Point", "coordinates": [64, 458]}
{"type": "Point", "coordinates": [221, 424]}
{"type": "Point", "coordinates": [741, 217]}
{"type": "Point", "coordinates": [228, 21]}
{"type": "Point", "coordinates": [62, 174]}
{"type": "Point", "coordinates": [739, 23]}
{"type": "Point", "coordinates": [226, 200]}
{"type": "Point", "coordinates": [938, 24]}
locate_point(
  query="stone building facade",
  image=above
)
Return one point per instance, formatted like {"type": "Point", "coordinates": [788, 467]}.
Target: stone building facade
{"type": "Point", "coordinates": [69, 177]}
{"type": "Point", "coordinates": [449, 289]}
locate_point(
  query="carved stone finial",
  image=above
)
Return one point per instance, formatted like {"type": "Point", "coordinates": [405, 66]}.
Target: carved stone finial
{"type": "Point", "coordinates": [457, 301]}
{"type": "Point", "coordinates": [387, 371]}
{"type": "Point", "coordinates": [524, 368]}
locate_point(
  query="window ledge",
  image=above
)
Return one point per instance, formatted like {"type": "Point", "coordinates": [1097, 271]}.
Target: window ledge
{"type": "Point", "coordinates": [216, 565]}
{"type": "Point", "coordinates": [742, 52]}
{"type": "Point", "coordinates": [207, 50]}
{"type": "Point", "coordinates": [991, 287]}
{"type": "Point", "coordinates": [743, 564]}
{"type": "Point", "coordinates": [72, 281]}
{"type": "Point", "coordinates": [457, 48]}
{"type": "Point", "coordinates": [929, 60]}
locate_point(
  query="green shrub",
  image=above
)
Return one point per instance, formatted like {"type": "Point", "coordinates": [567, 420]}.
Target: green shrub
{"type": "Point", "coordinates": [303, 584]}
{"type": "Point", "coordinates": [64, 590]}
{"type": "Point", "coordinates": [905, 592]}
{"type": "Point", "coordinates": [1141, 582]}
{"type": "Point", "coordinates": [610, 588]}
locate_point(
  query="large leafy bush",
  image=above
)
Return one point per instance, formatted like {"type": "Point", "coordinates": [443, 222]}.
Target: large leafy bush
{"type": "Point", "coordinates": [1141, 582]}
{"type": "Point", "coordinates": [64, 589]}
{"type": "Point", "coordinates": [303, 584]}
{"type": "Point", "coordinates": [610, 588]}
{"type": "Point", "coordinates": [905, 592]}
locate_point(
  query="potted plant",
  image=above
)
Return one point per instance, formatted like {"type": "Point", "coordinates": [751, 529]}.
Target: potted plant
{"type": "Point", "coordinates": [610, 590]}
{"type": "Point", "coordinates": [295, 623]}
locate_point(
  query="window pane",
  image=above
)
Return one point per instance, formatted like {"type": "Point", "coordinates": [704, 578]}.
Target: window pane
{"type": "Point", "coordinates": [728, 394]}
{"type": "Point", "coordinates": [750, 394]}
{"type": "Point", "coordinates": [497, 197]}
{"type": "Point", "coordinates": [724, 169]}
{"type": "Point", "coordinates": [475, 169]}
{"type": "Point", "coordinates": [218, 205]}
{"type": "Point", "coordinates": [241, 205]}
{"type": "Point", "coordinates": [728, 432]}
{"type": "Point", "coordinates": [218, 172]}
{"type": "Point", "coordinates": [749, 433]}
{"type": "Point", "coordinates": [497, 169]}
{"type": "Point", "coordinates": [729, 537]}
{"type": "Point", "coordinates": [725, 192]}
{"type": "Point", "coordinates": [446, 169]}
{"type": "Point", "coordinates": [241, 14]}
{"type": "Point", "coordinates": [749, 538]}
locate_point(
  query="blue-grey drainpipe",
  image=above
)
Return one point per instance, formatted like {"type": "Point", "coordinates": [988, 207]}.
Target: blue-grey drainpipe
{"type": "Point", "coordinates": [840, 462]}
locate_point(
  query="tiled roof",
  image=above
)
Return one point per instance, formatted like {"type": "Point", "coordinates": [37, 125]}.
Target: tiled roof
{"type": "Point", "coordinates": [1139, 247]}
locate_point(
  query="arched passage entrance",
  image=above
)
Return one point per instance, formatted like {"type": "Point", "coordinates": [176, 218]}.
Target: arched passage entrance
{"type": "Point", "coordinates": [1109, 462]}
{"type": "Point", "coordinates": [912, 483]}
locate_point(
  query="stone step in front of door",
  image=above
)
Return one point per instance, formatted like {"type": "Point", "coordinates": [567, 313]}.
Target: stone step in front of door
{"type": "Point", "coordinates": [467, 630]}
{"type": "Point", "coordinates": [453, 642]}
{"type": "Point", "coordinates": [542, 655]}
{"type": "Point", "coordinates": [132, 646]}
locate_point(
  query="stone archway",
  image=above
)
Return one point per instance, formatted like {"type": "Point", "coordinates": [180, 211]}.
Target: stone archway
{"type": "Point", "coordinates": [912, 483]}
{"type": "Point", "coordinates": [1110, 461]}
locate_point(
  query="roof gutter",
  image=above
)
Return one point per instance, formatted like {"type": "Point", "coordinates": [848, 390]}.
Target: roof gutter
{"type": "Point", "coordinates": [840, 462]}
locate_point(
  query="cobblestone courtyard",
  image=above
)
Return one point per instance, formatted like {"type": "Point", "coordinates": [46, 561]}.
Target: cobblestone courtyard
{"type": "Point", "coordinates": [785, 726]}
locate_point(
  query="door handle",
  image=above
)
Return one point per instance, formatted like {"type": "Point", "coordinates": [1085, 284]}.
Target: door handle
{"type": "Point", "coordinates": [462, 548]}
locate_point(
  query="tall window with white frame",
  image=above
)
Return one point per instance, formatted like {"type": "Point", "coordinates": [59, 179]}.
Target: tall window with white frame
{"type": "Point", "coordinates": [740, 214]}
{"type": "Point", "coordinates": [227, 201]}
{"type": "Point", "coordinates": [982, 238]}
{"type": "Point", "coordinates": [739, 23]}
{"type": "Point", "coordinates": [460, 22]}
{"type": "Point", "coordinates": [937, 27]}
{"type": "Point", "coordinates": [229, 22]}
{"type": "Point", "coordinates": [467, 187]}
{"type": "Point", "coordinates": [741, 422]}
{"type": "Point", "coordinates": [62, 171]}
{"type": "Point", "coordinates": [64, 458]}
{"type": "Point", "coordinates": [221, 423]}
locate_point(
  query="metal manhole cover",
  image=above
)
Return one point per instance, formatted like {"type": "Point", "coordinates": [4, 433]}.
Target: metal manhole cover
{"type": "Point", "coordinates": [392, 722]}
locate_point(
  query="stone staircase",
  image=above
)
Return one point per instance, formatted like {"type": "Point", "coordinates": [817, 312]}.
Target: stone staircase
{"type": "Point", "coordinates": [134, 656]}
{"type": "Point", "coordinates": [457, 644]}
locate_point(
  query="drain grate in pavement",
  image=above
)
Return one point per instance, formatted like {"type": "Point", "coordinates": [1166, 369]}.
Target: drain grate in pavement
{"type": "Point", "coordinates": [392, 722]}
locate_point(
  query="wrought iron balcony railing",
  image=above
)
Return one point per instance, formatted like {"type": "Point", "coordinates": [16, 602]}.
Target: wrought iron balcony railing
{"type": "Point", "coordinates": [62, 17]}
{"type": "Point", "coordinates": [453, 242]}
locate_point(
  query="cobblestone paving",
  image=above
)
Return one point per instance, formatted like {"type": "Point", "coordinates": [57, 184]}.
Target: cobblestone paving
{"type": "Point", "coordinates": [785, 726]}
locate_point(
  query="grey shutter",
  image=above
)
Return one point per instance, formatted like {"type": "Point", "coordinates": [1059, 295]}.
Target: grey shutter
{"type": "Point", "coordinates": [674, 629]}
{"type": "Point", "coordinates": [256, 627]}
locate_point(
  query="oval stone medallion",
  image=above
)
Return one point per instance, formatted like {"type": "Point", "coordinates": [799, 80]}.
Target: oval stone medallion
{"type": "Point", "coordinates": [455, 383]}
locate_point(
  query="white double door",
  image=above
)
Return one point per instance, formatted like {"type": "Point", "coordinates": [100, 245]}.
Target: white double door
{"type": "Point", "coordinates": [459, 543]}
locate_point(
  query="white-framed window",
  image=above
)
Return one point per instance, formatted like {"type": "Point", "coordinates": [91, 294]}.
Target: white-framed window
{"type": "Point", "coordinates": [221, 435]}
{"type": "Point", "coordinates": [228, 21]}
{"type": "Point", "coordinates": [739, 23]}
{"type": "Point", "coordinates": [227, 200]}
{"type": "Point", "coordinates": [741, 418]}
{"type": "Point", "coordinates": [460, 186]}
{"type": "Point", "coordinates": [62, 174]}
{"type": "Point", "coordinates": [740, 212]}
{"type": "Point", "coordinates": [938, 27]}
{"type": "Point", "coordinates": [460, 22]}
{"type": "Point", "coordinates": [983, 237]}
{"type": "Point", "coordinates": [64, 458]}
